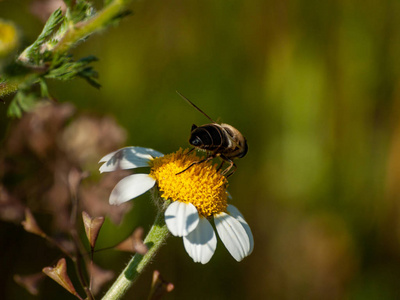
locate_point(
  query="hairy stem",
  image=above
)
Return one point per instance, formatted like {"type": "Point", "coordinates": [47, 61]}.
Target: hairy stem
{"type": "Point", "coordinates": [154, 240]}
{"type": "Point", "coordinates": [96, 23]}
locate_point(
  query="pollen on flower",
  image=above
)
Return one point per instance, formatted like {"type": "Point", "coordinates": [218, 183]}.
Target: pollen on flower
{"type": "Point", "coordinates": [201, 184]}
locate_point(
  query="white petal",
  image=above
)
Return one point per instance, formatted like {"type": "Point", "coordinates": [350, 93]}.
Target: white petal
{"type": "Point", "coordinates": [108, 156]}
{"type": "Point", "coordinates": [201, 243]}
{"type": "Point", "coordinates": [234, 212]}
{"type": "Point", "coordinates": [130, 187]}
{"type": "Point", "coordinates": [233, 235]}
{"type": "Point", "coordinates": [181, 218]}
{"type": "Point", "coordinates": [128, 158]}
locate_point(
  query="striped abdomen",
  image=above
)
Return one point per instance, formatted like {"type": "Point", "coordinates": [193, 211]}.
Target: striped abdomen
{"type": "Point", "coordinates": [209, 137]}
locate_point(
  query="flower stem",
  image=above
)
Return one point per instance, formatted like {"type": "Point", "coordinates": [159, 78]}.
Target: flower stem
{"type": "Point", "coordinates": [154, 240]}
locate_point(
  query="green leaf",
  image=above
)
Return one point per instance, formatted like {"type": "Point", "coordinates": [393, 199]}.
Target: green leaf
{"type": "Point", "coordinates": [115, 20]}
{"type": "Point", "coordinates": [68, 70]}
{"type": "Point", "coordinates": [90, 75]}
{"type": "Point", "coordinates": [82, 11]}
{"type": "Point", "coordinates": [107, 2]}
{"type": "Point", "coordinates": [69, 3]}
{"type": "Point", "coordinates": [44, 90]}
{"type": "Point", "coordinates": [21, 103]}
{"type": "Point", "coordinates": [32, 53]}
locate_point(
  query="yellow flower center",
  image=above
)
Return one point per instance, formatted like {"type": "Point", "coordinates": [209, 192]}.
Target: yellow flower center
{"type": "Point", "coordinates": [201, 184]}
{"type": "Point", "coordinates": [8, 37]}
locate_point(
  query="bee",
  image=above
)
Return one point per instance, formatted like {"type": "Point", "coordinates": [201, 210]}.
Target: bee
{"type": "Point", "coordinates": [218, 140]}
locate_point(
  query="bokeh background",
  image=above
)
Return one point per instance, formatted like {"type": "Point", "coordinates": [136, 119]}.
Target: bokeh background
{"type": "Point", "coordinates": [315, 88]}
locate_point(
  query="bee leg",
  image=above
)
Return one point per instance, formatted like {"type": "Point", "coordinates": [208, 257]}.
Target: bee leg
{"type": "Point", "coordinates": [231, 165]}
{"type": "Point", "coordinates": [233, 171]}
{"type": "Point", "coordinates": [195, 163]}
{"type": "Point", "coordinates": [190, 150]}
{"type": "Point", "coordinates": [220, 166]}
{"type": "Point", "coordinates": [191, 165]}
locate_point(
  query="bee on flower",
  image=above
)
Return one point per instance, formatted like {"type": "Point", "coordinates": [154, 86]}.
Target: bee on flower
{"type": "Point", "coordinates": [198, 197]}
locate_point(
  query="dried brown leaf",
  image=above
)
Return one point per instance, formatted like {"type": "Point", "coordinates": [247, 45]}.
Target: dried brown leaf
{"type": "Point", "coordinates": [92, 227]}
{"type": "Point", "coordinates": [30, 282]}
{"type": "Point", "coordinates": [159, 287]}
{"type": "Point", "coordinates": [134, 243]}
{"type": "Point", "coordinates": [65, 244]}
{"type": "Point", "coordinates": [11, 208]}
{"type": "Point", "coordinates": [75, 177]}
{"type": "Point", "coordinates": [99, 277]}
{"type": "Point", "coordinates": [30, 224]}
{"type": "Point", "coordinates": [60, 275]}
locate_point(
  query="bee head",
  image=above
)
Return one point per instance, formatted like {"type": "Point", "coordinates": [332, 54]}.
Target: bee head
{"type": "Point", "coordinates": [195, 141]}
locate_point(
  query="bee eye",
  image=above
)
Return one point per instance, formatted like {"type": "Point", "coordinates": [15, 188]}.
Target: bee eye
{"type": "Point", "coordinates": [196, 141]}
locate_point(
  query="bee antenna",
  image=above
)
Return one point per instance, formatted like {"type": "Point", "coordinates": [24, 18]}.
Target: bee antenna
{"type": "Point", "coordinates": [194, 105]}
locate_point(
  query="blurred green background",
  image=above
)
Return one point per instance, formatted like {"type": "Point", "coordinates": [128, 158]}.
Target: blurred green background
{"type": "Point", "coordinates": [315, 88]}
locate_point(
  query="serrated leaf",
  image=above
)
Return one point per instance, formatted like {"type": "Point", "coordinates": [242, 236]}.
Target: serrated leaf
{"type": "Point", "coordinates": [70, 70]}
{"type": "Point", "coordinates": [88, 59]}
{"type": "Point", "coordinates": [81, 11]}
{"type": "Point", "coordinates": [90, 75]}
{"type": "Point", "coordinates": [44, 90]}
{"type": "Point", "coordinates": [32, 53]}
{"type": "Point", "coordinates": [21, 103]}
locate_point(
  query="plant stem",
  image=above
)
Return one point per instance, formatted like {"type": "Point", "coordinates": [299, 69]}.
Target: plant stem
{"type": "Point", "coordinates": [7, 88]}
{"type": "Point", "coordinates": [96, 23]}
{"type": "Point", "coordinates": [154, 240]}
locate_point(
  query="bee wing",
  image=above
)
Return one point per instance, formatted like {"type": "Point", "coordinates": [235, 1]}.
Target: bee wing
{"type": "Point", "coordinates": [233, 143]}
{"type": "Point", "coordinates": [230, 134]}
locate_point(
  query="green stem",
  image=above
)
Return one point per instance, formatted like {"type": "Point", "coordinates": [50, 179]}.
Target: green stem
{"type": "Point", "coordinates": [96, 23]}
{"type": "Point", "coordinates": [154, 240]}
{"type": "Point", "coordinates": [7, 88]}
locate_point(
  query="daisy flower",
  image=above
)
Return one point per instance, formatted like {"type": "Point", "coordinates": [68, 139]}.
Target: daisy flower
{"type": "Point", "coordinates": [198, 196]}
